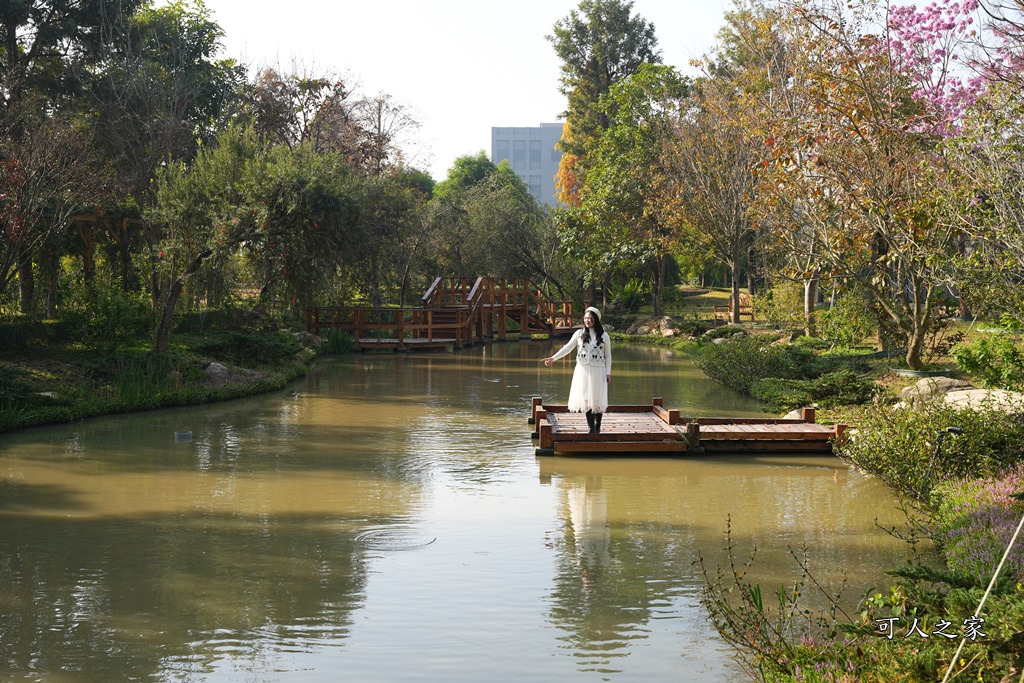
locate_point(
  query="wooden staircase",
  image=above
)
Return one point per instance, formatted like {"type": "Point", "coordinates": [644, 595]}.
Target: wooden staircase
{"type": "Point", "coordinates": [454, 312]}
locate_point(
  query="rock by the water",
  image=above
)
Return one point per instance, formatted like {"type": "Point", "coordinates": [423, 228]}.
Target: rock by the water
{"type": "Point", "coordinates": [1011, 402]}
{"type": "Point", "coordinates": [933, 386]}
{"type": "Point", "coordinates": [216, 371]}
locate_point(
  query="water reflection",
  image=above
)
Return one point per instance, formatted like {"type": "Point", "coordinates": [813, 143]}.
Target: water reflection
{"type": "Point", "coordinates": [389, 509]}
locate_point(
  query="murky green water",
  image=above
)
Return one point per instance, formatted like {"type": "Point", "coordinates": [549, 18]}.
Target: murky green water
{"type": "Point", "coordinates": [386, 520]}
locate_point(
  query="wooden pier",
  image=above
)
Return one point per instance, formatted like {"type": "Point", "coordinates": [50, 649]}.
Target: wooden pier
{"type": "Point", "coordinates": [653, 429]}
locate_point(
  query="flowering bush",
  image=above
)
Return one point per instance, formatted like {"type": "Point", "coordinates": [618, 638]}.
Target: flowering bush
{"type": "Point", "coordinates": [978, 519]}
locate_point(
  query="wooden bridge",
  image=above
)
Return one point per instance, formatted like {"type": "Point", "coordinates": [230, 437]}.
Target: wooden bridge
{"type": "Point", "coordinates": [454, 313]}
{"type": "Point", "coordinates": [653, 429]}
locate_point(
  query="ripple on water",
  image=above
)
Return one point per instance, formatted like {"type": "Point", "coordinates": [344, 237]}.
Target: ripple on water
{"type": "Point", "coordinates": [394, 538]}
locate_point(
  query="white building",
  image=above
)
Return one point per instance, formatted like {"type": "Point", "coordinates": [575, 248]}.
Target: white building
{"type": "Point", "coordinates": [532, 154]}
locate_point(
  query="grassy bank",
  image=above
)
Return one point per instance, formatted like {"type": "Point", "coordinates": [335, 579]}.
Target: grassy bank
{"type": "Point", "coordinates": [47, 377]}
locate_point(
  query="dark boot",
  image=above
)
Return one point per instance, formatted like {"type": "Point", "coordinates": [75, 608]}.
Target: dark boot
{"type": "Point", "coordinates": [597, 422]}
{"type": "Point", "coordinates": [590, 422]}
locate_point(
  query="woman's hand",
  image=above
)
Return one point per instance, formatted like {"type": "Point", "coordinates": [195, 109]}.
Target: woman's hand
{"type": "Point", "coordinates": [608, 378]}
{"type": "Point", "coordinates": [547, 362]}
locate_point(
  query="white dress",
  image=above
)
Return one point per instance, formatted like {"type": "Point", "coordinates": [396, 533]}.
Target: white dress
{"type": "Point", "coordinates": [589, 389]}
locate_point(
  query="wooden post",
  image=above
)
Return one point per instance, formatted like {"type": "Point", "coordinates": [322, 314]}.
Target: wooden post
{"type": "Point", "coordinates": [544, 433]}
{"type": "Point", "coordinates": [807, 414]}
{"type": "Point", "coordinates": [693, 435]}
{"type": "Point", "coordinates": [841, 428]}
{"type": "Point", "coordinates": [535, 403]}
{"type": "Point", "coordinates": [673, 416]}
{"type": "Point", "coordinates": [658, 401]}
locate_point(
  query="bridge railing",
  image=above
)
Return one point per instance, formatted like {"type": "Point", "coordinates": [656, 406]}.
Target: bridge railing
{"type": "Point", "coordinates": [392, 325]}
{"type": "Point", "coordinates": [456, 308]}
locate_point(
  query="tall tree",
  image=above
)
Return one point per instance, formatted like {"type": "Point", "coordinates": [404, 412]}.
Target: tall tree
{"type": "Point", "coordinates": [44, 42]}
{"type": "Point", "coordinates": [161, 93]}
{"type": "Point", "coordinates": [712, 163]}
{"type": "Point", "coordinates": [860, 147]}
{"type": "Point", "coordinates": [627, 201]}
{"type": "Point", "coordinates": [599, 44]}
{"type": "Point", "coordinates": [47, 173]}
{"type": "Point", "coordinates": [289, 212]}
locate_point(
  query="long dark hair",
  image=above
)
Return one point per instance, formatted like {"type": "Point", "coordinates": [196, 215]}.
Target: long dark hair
{"type": "Point", "coordinates": [598, 329]}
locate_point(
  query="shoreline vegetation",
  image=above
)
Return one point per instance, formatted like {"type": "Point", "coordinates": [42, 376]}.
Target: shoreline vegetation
{"type": "Point", "coordinates": [958, 473]}
{"type": "Point", "coordinates": [955, 471]}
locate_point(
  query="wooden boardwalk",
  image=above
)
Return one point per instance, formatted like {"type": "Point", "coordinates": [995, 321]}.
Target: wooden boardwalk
{"type": "Point", "coordinates": [653, 429]}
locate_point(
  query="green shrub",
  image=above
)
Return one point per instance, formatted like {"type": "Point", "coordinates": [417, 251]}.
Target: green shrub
{"type": "Point", "coordinates": [812, 343]}
{"type": "Point", "coordinates": [900, 445]}
{"type": "Point", "coordinates": [848, 322]}
{"type": "Point", "coordinates": [783, 394]}
{"type": "Point", "coordinates": [631, 295]}
{"type": "Point", "coordinates": [782, 305]}
{"type": "Point", "coordinates": [336, 343]}
{"type": "Point", "coordinates": [140, 376]}
{"type": "Point", "coordinates": [104, 318]}
{"type": "Point", "coordinates": [244, 348]}
{"type": "Point", "coordinates": [842, 387]}
{"type": "Point", "coordinates": [996, 359]}
{"type": "Point", "coordinates": [23, 332]}
{"type": "Point", "coordinates": [740, 362]}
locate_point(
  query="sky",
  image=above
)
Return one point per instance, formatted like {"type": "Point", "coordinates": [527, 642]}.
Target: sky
{"type": "Point", "coordinates": [460, 66]}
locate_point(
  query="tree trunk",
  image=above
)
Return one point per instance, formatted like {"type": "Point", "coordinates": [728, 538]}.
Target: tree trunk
{"type": "Point", "coordinates": [659, 284]}
{"type": "Point", "coordinates": [170, 302]}
{"type": "Point", "coordinates": [27, 283]}
{"type": "Point", "coordinates": [85, 231]}
{"type": "Point", "coordinates": [735, 295]}
{"type": "Point", "coordinates": [810, 299]}
{"type": "Point", "coordinates": [751, 279]}
{"type": "Point", "coordinates": [915, 345]}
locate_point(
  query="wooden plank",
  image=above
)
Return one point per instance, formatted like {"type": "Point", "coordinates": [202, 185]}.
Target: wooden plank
{"type": "Point", "coordinates": [619, 447]}
{"type": "Point", "coordinates": [741, 420]}
{"type": "Point", "coordinates": [745, 432]}
{"type": "Point", "coordinates": [562, 408]}
{"type": "Point", "coordinates": [565, 437]}
{"type": "Point", "coordinates": [766, 446]}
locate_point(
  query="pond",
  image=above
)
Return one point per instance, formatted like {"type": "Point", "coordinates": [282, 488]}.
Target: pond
{"type": "Point", "coordinates": [385, 519]}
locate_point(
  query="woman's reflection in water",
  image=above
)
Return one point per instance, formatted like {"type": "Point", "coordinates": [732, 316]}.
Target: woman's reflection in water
{"type": "Point", "coordinates": [591, 536]}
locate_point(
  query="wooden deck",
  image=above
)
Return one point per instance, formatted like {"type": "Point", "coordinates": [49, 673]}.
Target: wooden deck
{"type": "Point", "coordinates": [653, 429]}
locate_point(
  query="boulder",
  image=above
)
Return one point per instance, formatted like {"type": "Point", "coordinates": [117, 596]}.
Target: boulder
{"type": "Point", "coordinates": [1011, 402]}
{"type": "Point", "coordinates": [933, 386]}
{"type": "Point", "coordinates": [216, 371]}
{"type": "Point", "coordinates": [308, 338]}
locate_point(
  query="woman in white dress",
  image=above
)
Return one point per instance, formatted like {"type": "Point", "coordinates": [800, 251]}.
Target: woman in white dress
{"type": "Point", "coordinates": [589, 390]}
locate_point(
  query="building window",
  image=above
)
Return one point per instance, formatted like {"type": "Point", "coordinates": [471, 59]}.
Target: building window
{"type": "Point", "coordinates": [518, 153]}
{"type": "Point", "coordinates": [535, 155]}
{"type": "Point", "coordinates": [501, 151]}
{"type": "Point", "coordinates": [535, 186]}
